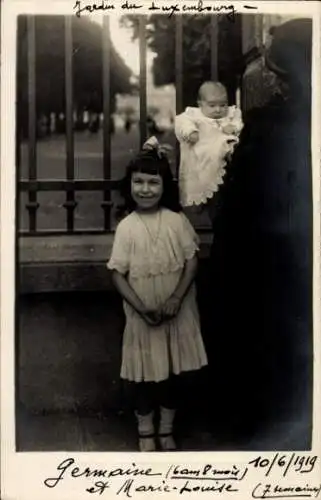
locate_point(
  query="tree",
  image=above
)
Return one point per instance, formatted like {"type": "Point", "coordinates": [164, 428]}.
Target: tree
{"type": "Point", "coordinates": [50, 67]}
{"type": "Point", "coordinates": [160, 34]}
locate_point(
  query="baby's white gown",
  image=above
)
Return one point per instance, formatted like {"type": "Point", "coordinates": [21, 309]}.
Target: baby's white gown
{"type": "Point", "coordinates": [154, 268]}
{"type": "Point", "coordinates": [202, 165]}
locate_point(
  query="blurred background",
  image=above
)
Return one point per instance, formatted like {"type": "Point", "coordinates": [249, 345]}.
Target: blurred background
{"type": "Point", "coordinates": [225, 50]}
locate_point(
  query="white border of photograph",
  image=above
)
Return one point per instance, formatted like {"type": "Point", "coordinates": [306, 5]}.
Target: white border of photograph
{"type": "Point", "coordinates": [23, 474]}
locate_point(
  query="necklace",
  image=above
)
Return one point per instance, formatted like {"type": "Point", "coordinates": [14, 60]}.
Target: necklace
{"type": "Point", "coordinates": [153, 235]}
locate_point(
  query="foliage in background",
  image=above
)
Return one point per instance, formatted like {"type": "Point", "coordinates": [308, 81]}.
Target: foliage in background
{"type": "Point", "coordinates": [160, 34]}
{"type": "Point", "coordinates": [50, 66]}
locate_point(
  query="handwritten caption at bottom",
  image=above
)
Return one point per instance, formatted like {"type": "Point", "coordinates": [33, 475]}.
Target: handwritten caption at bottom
{"type": "Point", "coordinates": [129, 480]}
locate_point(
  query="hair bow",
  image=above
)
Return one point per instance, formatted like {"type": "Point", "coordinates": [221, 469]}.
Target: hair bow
{"type": "Point", "coordinates": [152, 144]}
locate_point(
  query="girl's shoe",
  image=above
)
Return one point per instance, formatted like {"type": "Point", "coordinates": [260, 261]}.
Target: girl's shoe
{"type": "Point", "coordinates": [166, 442]}
{"type": "Point", "coordinates": [146, 432]}
{"type": "Point", "coordinates": [165, 433]}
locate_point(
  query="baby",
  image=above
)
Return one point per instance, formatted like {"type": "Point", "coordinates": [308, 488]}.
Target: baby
{"type": "Point", "coordinates": [207, 136]}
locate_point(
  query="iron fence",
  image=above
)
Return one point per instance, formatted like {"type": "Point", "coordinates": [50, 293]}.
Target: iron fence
{"type": "Point", "coordinates": [32, 185]}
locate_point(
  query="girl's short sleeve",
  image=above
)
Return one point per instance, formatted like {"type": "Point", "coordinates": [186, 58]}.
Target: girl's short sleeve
{"type": "Point", "coordinates": [120, 254]}
{"type": "Point", "coordinates": [189, 239]}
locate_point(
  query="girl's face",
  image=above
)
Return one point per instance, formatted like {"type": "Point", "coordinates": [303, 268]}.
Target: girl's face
{"type": "Point", "coordinates": [146, 190]}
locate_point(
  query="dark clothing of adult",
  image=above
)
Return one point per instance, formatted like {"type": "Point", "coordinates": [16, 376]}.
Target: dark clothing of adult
{"type": "Point", "coordinates": [262, 267]}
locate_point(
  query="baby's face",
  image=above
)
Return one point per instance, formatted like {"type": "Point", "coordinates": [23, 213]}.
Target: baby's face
{"type": "Point", "coordinates": [214, 104]}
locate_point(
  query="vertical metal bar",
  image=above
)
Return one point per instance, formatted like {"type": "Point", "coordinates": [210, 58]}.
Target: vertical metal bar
{"type": "Point", "coordinates": [106, 123]}
{"type": "Point", "coordinates": [238, 98]}
{"type": "Point", "coordinates": [70, 195]}
{"type": "Point", "coordinates": [214, 46]}
{"type": "Point", "coordinates": [179, 63]}
{"type": "Point", "coordinates": [18, 143]}
{"type": "Point", "coordinates": [178, 74]}
{"type": "Point", "coordinates": [32, 121]}
{"type": "Point", "coordinates": [18, 106]}
{"type": "Point", "coordinates": [142, 80]}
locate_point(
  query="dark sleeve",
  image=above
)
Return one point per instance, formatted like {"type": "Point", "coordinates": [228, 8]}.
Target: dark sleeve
{"type": "Point", "coordinates": [238, 192]}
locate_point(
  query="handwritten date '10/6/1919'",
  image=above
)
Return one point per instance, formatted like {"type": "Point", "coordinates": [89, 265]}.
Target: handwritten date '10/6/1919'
{"type": "Point", "coordinates": [295, 462]}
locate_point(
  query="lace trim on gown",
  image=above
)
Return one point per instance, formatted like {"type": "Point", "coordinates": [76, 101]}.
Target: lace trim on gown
{"type": "Point", "coordinates": [208, 191]}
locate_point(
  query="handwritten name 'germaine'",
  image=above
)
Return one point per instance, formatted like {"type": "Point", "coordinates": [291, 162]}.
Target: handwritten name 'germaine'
{"type": "Point", "coordinates": [65, 468]}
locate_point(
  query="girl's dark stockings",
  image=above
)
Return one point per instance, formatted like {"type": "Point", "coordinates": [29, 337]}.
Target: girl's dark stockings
{"type": "Point", "coordinates": [148, 395]}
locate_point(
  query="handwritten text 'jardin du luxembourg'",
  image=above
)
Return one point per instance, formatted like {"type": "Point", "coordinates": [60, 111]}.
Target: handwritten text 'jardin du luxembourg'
{"type": "Point", "coordinates": [168, 8]}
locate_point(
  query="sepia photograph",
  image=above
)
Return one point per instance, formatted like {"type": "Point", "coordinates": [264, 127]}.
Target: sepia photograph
{"type": "Point", "coordinates": [163, 232]}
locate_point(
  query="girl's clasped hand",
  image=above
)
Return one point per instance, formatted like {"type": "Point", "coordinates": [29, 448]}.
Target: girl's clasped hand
{"type": "Point", "coordinates": [155, 317]}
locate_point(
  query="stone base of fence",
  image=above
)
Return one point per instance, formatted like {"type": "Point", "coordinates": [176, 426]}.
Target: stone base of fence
{"type": "Point", "coordinates": [70, 263]}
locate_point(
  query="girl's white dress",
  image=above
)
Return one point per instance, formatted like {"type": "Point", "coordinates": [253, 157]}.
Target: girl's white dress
{"type": "Point", "coordinates": [153, 249]}
{"type": "Point", "coordinates": [202, 165]}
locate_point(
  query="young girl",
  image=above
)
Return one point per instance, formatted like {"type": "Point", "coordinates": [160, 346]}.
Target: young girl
{"type": "Point", "coordinates": [154, 263]}
{"type": "Point", "coordinates": [207, 136]}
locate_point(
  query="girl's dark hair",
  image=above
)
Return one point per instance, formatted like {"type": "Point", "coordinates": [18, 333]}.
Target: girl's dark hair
{"type": "Point", "coordinates": [151, 162]}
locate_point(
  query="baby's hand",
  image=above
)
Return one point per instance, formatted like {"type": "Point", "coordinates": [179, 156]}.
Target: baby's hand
{"type": "Point", "coordinates": [229, 129]}
{"type": "Point", "coordinates": [193, 137]}
{"type": "Point", "coordinates": [171, 307]}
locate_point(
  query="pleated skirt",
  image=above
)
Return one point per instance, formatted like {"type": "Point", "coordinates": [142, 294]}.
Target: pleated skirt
{"type": "Point", "coordinates": [151, 353]}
